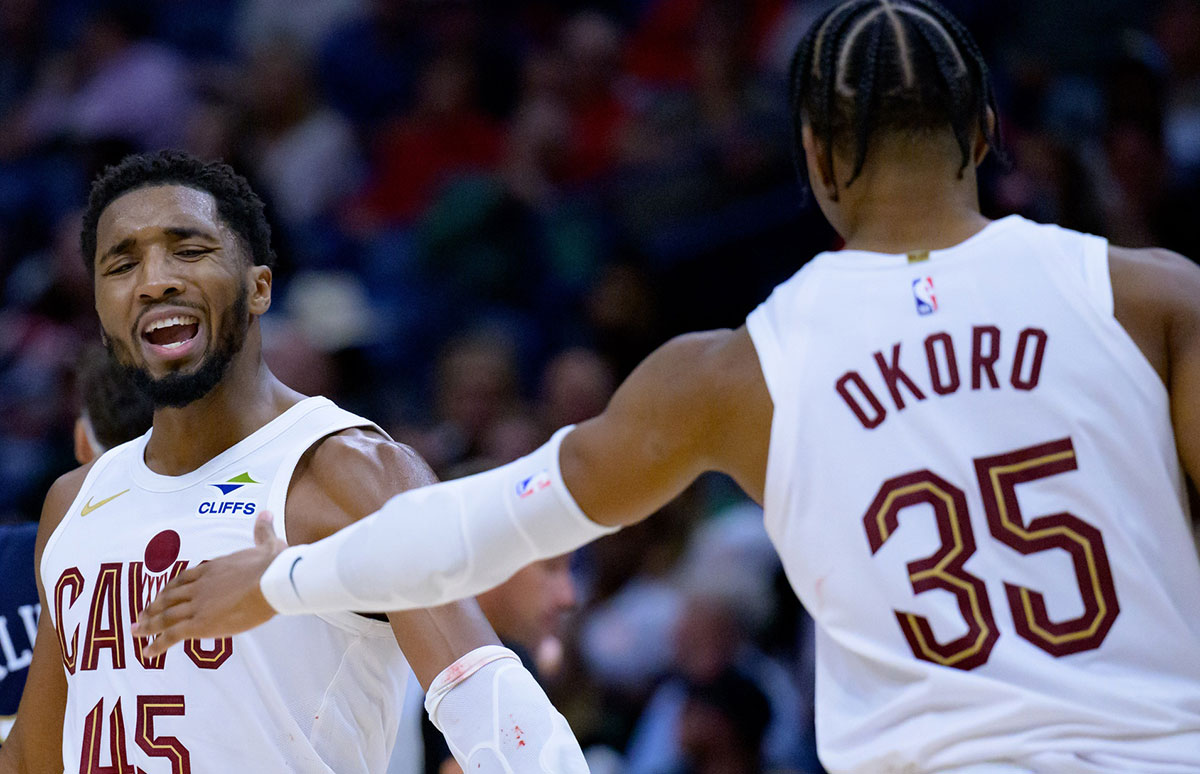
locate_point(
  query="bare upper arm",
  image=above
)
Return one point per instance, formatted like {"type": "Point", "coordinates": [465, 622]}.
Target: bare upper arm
{"type": "Point", "coordinates": [349, 476]}
{"type": "Point", "coordinates": [698, 403]}
{"type": "Point", "coordinates": [1156, 296]}
{"type": "Point", "coordinates": [36, 738]}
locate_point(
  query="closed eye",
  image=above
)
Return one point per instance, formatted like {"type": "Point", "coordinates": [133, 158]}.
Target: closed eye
{"type": "Point", "coordinates": [192, 252]}
{"type": "Point", "coordinates": [118, 268]}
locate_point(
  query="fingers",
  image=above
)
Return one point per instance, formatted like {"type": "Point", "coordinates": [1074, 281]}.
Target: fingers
{"type": "Point", "coordinates": [172, 623]}
{"type": "Point", "coordinates": [169, 636]}
{"type": "Point", "coordinates": [177, 592]}
{"type": "Point", "coordinates": [264, 529]}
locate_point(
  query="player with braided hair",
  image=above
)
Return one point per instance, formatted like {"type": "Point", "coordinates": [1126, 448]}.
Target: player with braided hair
{"type": "Point", "coordinates": [971, 439]}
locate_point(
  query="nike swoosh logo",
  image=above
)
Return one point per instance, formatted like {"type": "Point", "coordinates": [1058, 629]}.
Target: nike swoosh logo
{"type": "Point", "coordinates": [88, 507]}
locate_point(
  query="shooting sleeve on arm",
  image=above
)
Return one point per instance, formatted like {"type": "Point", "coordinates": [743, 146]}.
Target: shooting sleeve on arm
{"type": "Point", "coordinates": [496, 718]}
{"type": "Point", "coordinates": [437, 544]}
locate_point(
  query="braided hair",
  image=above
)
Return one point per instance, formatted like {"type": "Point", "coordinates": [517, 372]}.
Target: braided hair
{"type": "Point", "coordinates": [892, 65]}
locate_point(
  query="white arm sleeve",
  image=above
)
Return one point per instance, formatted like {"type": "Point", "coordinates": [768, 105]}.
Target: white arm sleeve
{"type": "Point", "coordinates": [437, 544]}
{"type": "Point", "coordinates": [497, 719]}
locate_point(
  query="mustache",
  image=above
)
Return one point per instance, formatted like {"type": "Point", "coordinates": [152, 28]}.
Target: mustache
{"type": "Point", "coordinates": [137, 323]}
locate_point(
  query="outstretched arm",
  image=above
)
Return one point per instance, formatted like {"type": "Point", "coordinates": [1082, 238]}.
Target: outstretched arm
{"type": "Point", "coordinates": [699, 403]}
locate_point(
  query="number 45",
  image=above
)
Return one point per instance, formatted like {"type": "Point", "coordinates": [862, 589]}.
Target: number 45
{"type": "Point", "coordinates": [998, 479]}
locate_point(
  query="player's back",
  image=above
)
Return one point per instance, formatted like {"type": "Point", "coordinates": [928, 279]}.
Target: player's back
{"type": "Point", "coordinates": [974, 486]}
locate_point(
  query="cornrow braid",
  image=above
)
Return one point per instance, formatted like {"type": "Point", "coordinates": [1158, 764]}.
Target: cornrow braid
{"type": "Point", "coordinates": [894, 65]}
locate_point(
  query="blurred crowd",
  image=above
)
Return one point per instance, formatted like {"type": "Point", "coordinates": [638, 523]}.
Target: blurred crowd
{"type": "Point", "coordinates": [487, 213]}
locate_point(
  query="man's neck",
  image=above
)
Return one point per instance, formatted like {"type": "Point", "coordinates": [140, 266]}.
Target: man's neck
{"type": "Point", "coordinates": [914, 201]}
{"type": "Point", "coordinates": [246, 399]}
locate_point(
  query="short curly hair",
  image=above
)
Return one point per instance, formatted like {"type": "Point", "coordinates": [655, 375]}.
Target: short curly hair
{"type": "Point", "coordinates": [237, 205]}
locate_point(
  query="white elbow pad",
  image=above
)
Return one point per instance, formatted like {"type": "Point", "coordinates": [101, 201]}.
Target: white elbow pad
{"type": "Point", "coordinates": [437, 544]}
{"type": "Point", "coordinates": [497, 720]}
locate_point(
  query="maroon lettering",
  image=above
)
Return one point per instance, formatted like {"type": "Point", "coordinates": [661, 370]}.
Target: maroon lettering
{"type": "Point", "coordinates": [951, 363]}
{"type": "Point", "coordinates": [209, 658]}
{"type": "Point", "coordinates": [70, 582]}
{"type": "Point", "coordinates": [893, 376]}
{"type": "Point", "coordinates": [1035, 370]}
{"type": "Point", "coordinates": [879, 412]}
{"type": "Point", "coordinates": [89, 756]}
{"type": "Point", "coordinates": [169, 747]}
{"type": "Point", "coordinates": [984, 361]}
{"type": "Point", "coordinates": [105, 626]}
{"type": "Point", "coordinates": [142, 588]}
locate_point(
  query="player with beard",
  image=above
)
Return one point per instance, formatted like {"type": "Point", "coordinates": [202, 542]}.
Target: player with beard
{"type": "Point", "coordinates": [181, 258]}
{"type": "Point", "coordinates": [971, 439]}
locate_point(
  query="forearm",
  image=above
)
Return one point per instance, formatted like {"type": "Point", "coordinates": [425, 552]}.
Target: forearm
{"type": "Point", "coordinates": [436, 544]}
{"type": "Point", "coordinates": [496, 718]}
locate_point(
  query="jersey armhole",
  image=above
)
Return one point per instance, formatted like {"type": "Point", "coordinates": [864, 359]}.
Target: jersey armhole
{"type": "Point", "coordinates": [77, 503]}
{"type": "Point", "coordinates": [768, 349]}
{"type": "Point", "coordinates": [1096, 275]}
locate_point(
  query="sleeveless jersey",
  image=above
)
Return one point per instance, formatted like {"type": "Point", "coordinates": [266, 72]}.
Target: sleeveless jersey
{"type": "Point", "coordinates": [297, 694]}
{"type": "Point", "coordinates": [974, 488]}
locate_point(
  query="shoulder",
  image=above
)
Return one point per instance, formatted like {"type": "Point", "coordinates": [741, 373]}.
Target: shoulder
{"type": "Point", "coordinates": [701, 370]}
{"type": "Point", "coordinates": [710, 386]}
{"type": "Point", "coordinates": [1156, 298]}
{"type": "Point", "coordinates": [346, 476]}
{"type": "Point", "coordinates": [58, 500]}
{"type": "Point", "coordinates": [1154, 274]}
{"type": "Point", "coordinates": [1157, 278]}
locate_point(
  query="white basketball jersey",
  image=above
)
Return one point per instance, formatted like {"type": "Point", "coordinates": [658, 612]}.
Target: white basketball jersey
{"type": "Point", "coordinates": [974, 488]}
{"type": "Point", "coordinates": [298, 694]}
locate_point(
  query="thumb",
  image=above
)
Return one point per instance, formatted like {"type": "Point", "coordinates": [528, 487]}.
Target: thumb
{"type": "Point", "coordinates": [264, 529]}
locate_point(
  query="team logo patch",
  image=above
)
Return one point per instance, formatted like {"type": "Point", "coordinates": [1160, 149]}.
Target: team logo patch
{"type": "Point", "coordinates": [533, 484]}
{"type": "Point", "coordinates": [235, 483]}
{"type": "Point", "coordinates": [922, 289]}
{"type": "Point", "coordinates": [230, 507]}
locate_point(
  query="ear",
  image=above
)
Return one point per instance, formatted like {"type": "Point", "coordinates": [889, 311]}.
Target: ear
{"type": "Point", "coordinates": [820, 171]}
{"type": "Point", "coordinates": [260, 293]}
{"type": "Point", "coordinates": [982, 147]}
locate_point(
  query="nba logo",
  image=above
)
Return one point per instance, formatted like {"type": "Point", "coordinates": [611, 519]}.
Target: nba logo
{"type": "Point", "coordinates": [923, 294]}
{"type": "Point", "coordinates": [533, 484]}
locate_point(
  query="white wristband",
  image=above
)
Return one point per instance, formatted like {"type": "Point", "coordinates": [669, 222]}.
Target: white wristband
{"type": "Point", "coordinates": [496, 718]}
{"type": "Point", "coordinates": [439, 543]}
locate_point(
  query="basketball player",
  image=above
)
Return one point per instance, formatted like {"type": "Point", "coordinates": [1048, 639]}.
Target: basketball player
{"type": "Point", "coordinates": [113, 410]}
{"type": "Point", "coordinates": [967, 436]}
{"type": "Point", "coordinates": [181, 259]}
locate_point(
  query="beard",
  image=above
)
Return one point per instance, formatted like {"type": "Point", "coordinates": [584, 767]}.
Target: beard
{"type": "Point", "coordinates": [177, 390]}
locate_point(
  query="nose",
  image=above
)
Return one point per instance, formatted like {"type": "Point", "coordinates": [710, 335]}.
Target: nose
{"type": "Point", "coordinates": [157, 280]}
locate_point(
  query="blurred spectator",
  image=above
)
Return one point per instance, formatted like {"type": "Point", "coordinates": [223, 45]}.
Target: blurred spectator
{"type": "Point", "coordinates": [304, 153]}
{"type": "Point", "coordinates": [722, 725]}
{"type": "Point", "coordinates": [576, 385]}
{"type": "Point", "coordinates": [475, 386]}
{"type": "Point", "coordinates": [591, 53]}
{"type": "Point", "coordinates": [446, 134]}
{"type": "Point", "coordinates": [305, 22]}
{"type": "Point", "coordinates": [1178, 33]}
{"type": "Point", "coordinates": [114, 84]}
{"type": "Point", "coordinates": [369, 63]}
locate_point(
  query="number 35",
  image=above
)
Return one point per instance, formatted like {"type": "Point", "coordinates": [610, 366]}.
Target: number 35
{"type": "Point", "coordinates": [998, 477]}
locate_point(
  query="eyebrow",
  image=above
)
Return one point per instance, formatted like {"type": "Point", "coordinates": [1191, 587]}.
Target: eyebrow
{"type": "Point", "coordinates": [176, 232]}
{"type": "Point", "coordinates": [119, 247]}
{"type": "Point", "coordinates": [182, 232]}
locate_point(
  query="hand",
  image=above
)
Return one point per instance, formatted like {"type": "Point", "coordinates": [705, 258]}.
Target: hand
{"type": "Point", "coordinates": [218, 598]}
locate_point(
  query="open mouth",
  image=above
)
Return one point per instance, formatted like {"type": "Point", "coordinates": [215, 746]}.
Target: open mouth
{"type": "Point", "coordinates": [172, 333]}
